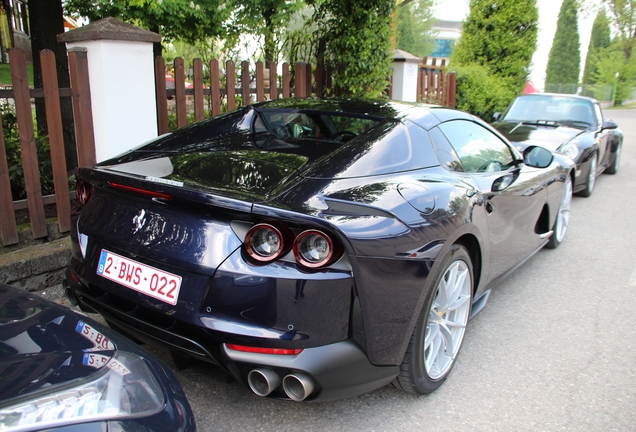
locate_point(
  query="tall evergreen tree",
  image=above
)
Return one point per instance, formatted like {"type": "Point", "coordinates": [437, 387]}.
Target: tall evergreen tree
{"type": "Point", "coordinates": [600, 39]}
{"type": "Point", "coordinates": [564, 60]}
{"type": "Point", "coordinates": [414, 22]}
{"type": "Point", "coordinates": [500, 36]}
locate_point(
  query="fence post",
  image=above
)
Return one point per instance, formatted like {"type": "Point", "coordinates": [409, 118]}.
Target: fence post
{"type": "Point", "coordinates": [215, 87]}
{"type": "Point", "coordinates": [56, 139]}
{"type": "Point", "coordinates": [273, 81]}
{"type": "Point", "coordinates": [230, 85]}
{"type": "Point", "coordinates": [452, 89]}
{"type": "Point", "coordinates": [30, 163]}
{"type": "Point", "coordinates": [81, 95]}
{"type": "Point", "coordinates": [299, 80]}
{"type": "Point", "coordinates": [179, 88]}
{"type": "Point", "coordinates": [197, 65]}
{"type": "Point", "coordinates": [162, 99]}
{"type": "Point", "coordinates": [286, 79]}
{"type": "Point", "coordinates": [260, 82]}
{"type": "Point", "coordinates": [245, 82]}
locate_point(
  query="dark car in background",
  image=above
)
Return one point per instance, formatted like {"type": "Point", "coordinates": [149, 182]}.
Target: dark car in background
{"type": "Point", "coordinates": [567, 124]}
{"type": "Point", "coordinates": [62, 371]}
{"type": "Point", "coordinates": [314, 249]}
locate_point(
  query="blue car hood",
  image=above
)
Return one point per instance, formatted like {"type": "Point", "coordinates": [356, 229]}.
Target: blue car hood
{"type": "Point", "coordinates": [43, 344]}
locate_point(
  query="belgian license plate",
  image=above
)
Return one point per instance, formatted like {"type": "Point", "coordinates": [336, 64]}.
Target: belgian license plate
{"type": "Point", "coordinates": [101, 342]}
{"type": "Point", "coordinates": [151, 281]}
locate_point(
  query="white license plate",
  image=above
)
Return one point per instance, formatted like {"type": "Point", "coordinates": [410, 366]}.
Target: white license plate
{"type": "Point", "coordinates": [101, 342]}
{"type": "Point", "coordinates": [151, 281]}
{"type": "Point", "coordinates": [98, 361]}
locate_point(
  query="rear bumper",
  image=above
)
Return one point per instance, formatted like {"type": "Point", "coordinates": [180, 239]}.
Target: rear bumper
{"type": "Point", "coordinates": [340, 369]}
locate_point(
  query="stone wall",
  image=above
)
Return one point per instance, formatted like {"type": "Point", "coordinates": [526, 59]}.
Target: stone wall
{"type": "Point", "coordinates": [36, 267]}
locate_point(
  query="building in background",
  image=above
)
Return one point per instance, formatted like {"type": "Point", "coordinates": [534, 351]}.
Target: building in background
{"type": "Point", "coordinates": [445, 33]}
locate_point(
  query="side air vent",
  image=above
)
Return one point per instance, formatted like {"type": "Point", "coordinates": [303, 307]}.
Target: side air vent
{"type": "Point", "coordinates": [346, 208]}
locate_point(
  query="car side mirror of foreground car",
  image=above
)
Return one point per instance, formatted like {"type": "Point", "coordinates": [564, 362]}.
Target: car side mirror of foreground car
{"type": "Point", "coordinates": [609, 124]}
{"type": "Point", "coordinates": [537, 157]}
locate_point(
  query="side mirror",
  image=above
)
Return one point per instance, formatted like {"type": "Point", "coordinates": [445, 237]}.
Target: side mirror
{"type": "Point", "coordinates": [609, 124]}
{"type": "Point", "coordinates": [537, 157]}
{"type": "Point", "coordinates": [496, 116]}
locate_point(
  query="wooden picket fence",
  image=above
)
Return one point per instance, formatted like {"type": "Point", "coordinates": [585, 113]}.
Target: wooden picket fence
{"type": "Point", "coordinates": [434, 84]}
{"type": "Point", "coordinates": [301, 81]}
{"type": "Point", "coordinates": [21, 96]}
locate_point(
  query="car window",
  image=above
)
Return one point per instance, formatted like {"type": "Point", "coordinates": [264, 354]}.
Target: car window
{"type": "Point", "coordinates": [478, 149]}
{"type": "Point", "coordinates": [599, 115]}
{"type": "Point", "coordinates": [388, 148]}
{"type": "Point", "coordinates": [445, 153]}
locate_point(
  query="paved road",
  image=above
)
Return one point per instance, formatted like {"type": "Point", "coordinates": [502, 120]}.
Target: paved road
{"type": "Point", "coordinates": [555, 348]}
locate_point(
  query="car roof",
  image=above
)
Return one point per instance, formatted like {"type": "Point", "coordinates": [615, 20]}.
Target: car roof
{"type": "Point", "coordinates": [427, 116]}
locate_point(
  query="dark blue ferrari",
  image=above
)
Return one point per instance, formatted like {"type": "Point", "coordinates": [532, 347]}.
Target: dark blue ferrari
{"type": "Point", "coordinates": [314, 249]}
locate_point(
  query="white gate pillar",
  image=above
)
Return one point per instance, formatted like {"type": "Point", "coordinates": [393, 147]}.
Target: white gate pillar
{"type": "Point", "coordinates": [405, 68]}
{"type": "Point", "coordinates": [122, 83]}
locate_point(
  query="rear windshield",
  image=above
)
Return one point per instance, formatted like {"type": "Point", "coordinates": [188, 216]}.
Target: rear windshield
{"type": "Point", "coordinates": [293, 126]}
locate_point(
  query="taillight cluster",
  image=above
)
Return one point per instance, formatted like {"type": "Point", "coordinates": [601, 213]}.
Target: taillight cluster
{"type": "Point", "coordinates": [83, 191]}
{"type": "Point", "coordinates": [313, 249]}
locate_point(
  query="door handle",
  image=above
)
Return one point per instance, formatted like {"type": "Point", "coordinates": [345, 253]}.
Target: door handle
{"type": "Point", "coordinates": [490, 207]}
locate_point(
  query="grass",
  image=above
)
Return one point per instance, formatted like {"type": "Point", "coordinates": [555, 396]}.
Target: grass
{"type": "Point", "coordinates": [5, 74]}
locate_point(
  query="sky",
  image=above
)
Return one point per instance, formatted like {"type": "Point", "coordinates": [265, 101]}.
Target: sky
{"type": "Point", "coordinates": [457, 10]}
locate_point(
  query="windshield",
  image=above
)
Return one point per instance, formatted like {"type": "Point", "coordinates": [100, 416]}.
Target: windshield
{"type": "Point", "coordinates": [552, 110]}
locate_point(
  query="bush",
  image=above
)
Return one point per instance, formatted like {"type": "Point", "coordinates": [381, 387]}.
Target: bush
{"type": "Point", "coordinates": [481, 93]}
{"type": "Point", "coordinates": [14, 155]}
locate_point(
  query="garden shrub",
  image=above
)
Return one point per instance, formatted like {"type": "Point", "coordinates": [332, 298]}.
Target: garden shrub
{"type": "Point", "coordinates": [481, 93]}
{"type": "Point", "coordinates": [14, 155]}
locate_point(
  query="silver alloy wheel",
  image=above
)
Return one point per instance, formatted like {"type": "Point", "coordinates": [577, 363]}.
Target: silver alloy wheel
{"type": "Point", "coordinates": [591, 177]}
{"type": "Point", "coordinates": [563, 217]}
{"type": "Point", "coordinates": [447, 319]}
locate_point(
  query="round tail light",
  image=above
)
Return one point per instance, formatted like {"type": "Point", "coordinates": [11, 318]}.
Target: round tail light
{"type": "Point", "coordinates": [314, 249]}
{"type": "Point", "coordinates": [264, 242]}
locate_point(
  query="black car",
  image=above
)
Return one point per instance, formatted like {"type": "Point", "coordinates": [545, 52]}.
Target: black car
{"type": "Point", "coordinates": [567, 124]}
{"type": "Point", "coordinates": [62, 371]}
{"type": "Point", "coordinates": [314, 249]}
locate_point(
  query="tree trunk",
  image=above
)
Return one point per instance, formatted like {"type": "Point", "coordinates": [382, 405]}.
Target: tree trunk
{"type": "Point", "coordinates": [46, 21]}
{"type": "Point", "coordinates": [270, 44]}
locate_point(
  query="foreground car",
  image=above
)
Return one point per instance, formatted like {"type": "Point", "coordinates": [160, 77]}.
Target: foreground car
{"type": "Point", "coordinates": [314, 249]}
{"type": "Point", "coordinates": [568, 124]}
{"type": "Point", "coordinates": [62, 371]}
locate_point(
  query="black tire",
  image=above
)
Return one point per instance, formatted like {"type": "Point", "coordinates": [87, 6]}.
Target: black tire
{"type": "Point", "coordinates": [590, 181]}
{"type": "Point", "coordinates": [613, 168]}
{"type": "Point", "coordinates": [413, 376]}
{"type": "Point", "coordinates": [563, 216]}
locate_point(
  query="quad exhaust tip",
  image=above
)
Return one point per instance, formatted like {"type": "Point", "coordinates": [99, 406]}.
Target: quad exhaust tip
{"type": "Point", "coordinates": [263, 381]}
{"type": "Point", "coordinates": [298, 386]}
